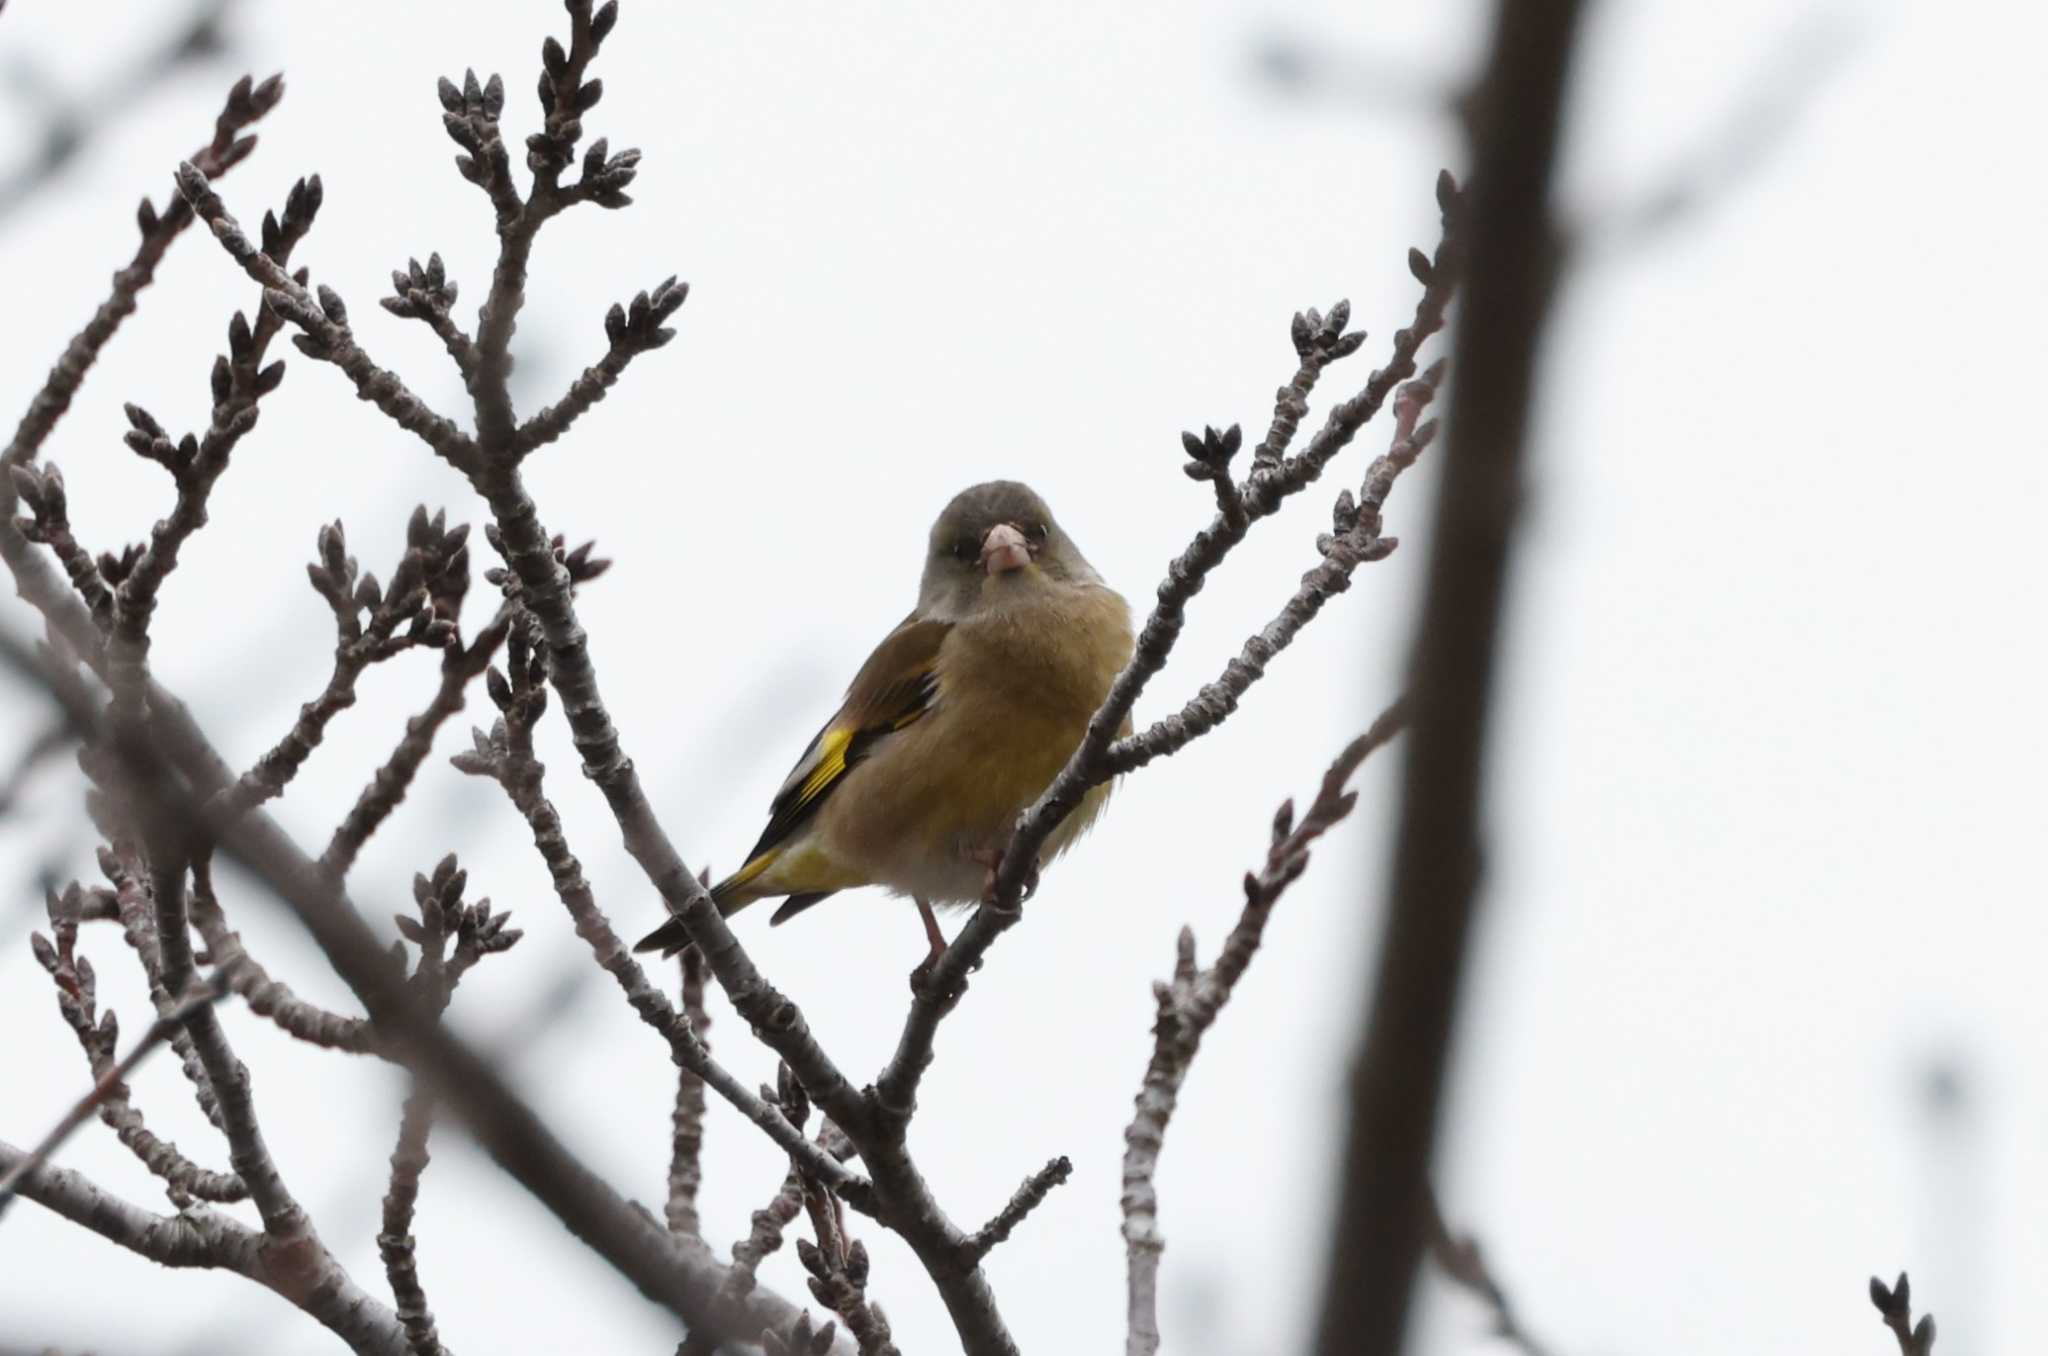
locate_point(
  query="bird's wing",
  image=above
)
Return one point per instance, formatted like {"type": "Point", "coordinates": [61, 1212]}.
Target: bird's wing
{"type": "Point", "coordinates": [895, 688]}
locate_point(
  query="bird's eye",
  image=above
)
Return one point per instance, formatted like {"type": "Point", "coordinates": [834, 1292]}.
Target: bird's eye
{"type": "Point", "coordinates": [964, 550]}
{"type": "Point", "coordinates": [1038, 531]}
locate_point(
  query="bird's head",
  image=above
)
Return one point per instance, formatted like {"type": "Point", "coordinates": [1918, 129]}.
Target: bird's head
{"type": "Point", "coordinates": [993, 542]}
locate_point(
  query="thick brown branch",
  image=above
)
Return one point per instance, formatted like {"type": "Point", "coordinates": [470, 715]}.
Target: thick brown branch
{"type": "Point", "coordinates": [1510, 261]}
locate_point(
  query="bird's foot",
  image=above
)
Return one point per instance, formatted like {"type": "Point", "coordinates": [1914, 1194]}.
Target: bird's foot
{"type": "Point", "coordinates": [991, 858]}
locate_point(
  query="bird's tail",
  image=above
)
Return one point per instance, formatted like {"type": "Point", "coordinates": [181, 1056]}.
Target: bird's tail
{"type": "Point", "coordinates": [730, 895]}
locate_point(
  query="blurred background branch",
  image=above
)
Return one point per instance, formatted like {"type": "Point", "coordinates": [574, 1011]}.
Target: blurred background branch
{"type": "Point", "coordinates": [66, 122]}
{"type": "Point", "coordinates": [1510, 263]}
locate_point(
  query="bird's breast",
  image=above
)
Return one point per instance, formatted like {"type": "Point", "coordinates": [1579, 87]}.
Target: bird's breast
{"type": "Point", "coordinates": [1016, 690]}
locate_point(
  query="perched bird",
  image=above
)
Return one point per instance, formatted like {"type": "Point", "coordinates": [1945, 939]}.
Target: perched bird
{"type": "Point", "coordinates": [959, 719]}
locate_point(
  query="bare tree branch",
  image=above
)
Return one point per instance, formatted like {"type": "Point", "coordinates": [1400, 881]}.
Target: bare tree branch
{"type": "Point", "coordinates": [632, 333]}
{"type": "Point", "coordinates": [506, 755]}
{"type": "Point", "coordinates": [428, 296]}
{"type": "Point", "coordinates": [327, 335]}
{"type": "Point", "coordinates": [246, 103]}
{"type": "Point", "coordinates": [1188, 1007]}
{"type": "Point", "coordinates": [1105, 751]}
{"type": "Point", "coordinates": [1510, 262]}
{"type": "Point", "coordinates": [387, 787]}
{"type": "Point", "coordinates": [99, 1036]}
{"type": "Point", "coordinates": [424, 598]}
{"type": "Point", "coordinates": [686, 1166]}
{"type": "Point", "coordinates": [108, 1086]}
{"type": "Point", "coordinates": [541, 578]}
{"type": "Point", "coordinates": [283, 1218]}
{"type": "Point", "coordinates": [679, 1278]}
{"type": "Point", "coordinates": [1356, 540]}
{"type": "Point", "coordinates": [1027, 1198]}
{"type": "Point", "coordinates": [395, 1243]}
{"type": "Point", "coordinates": [137, 916]}
{"type": "Point", "coordinates": [266, 996]}
{"type": "Point", "coordinates": [200, 1237]}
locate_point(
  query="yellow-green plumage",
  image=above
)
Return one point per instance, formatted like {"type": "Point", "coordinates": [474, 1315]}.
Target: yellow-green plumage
{"type": "Point", "coordinates": [956, 723]}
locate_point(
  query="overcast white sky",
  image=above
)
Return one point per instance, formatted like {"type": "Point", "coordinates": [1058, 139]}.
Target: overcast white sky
{"type": "Point", "coordinates": [1765, 803]}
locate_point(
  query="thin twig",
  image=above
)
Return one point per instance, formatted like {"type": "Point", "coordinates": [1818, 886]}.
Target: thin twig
{"type": "Point", "coordinates": [1356, 540]}
{"type": "Point", "coordinates": [632, 332]}
{"type": "Point", "coordinates": [1104, 751]}
{"type": "Point", "coordinates": [99, 1036]}
{"type": "Point", "coordinates": [283, 1218]}
{"type": "Point", "coordinates": [838, 1279]}
{"type": "Point", "coordinates": [1188, 1006]}
{"type": "Point", "coordinates": [1027, 1198]}
{"type": "Point", "coordinates": [137, 917]}
{"type": "Point", "coordinates": [240, 379]}
{"type": "Point", "coordinates": [246, 103]}
{"type": "Point", "coordinates": [388, 785]}
{"type": "Point", "coordinates": [110, 1084]}
{"type": "Point", "coordinates": [325, 324]}
{"type": "Point", "coordinates": [77, 622]}
{"type": "Point", "coordinates": [686, 1165]}
{"type": "Point", "coordinates": [201, 1237]}
{"type": "Point", "coordinates": [417, 608]}
{"type": "Point", "coordinates": [266, 995]}
{"type": "Point", "coordinates": [507, 756]}
{"type": "Point", "coordinates": [506, 1127]}
{"type": "Point", "coordinates": [395, 1243]}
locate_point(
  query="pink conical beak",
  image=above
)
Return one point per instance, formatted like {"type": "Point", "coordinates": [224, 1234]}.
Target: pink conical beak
{"type": "Point", "coordinates": [1004, 549]}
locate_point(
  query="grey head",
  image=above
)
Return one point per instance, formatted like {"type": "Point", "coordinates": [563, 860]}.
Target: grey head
{"type": "Point", "coordinates": [993, 540]}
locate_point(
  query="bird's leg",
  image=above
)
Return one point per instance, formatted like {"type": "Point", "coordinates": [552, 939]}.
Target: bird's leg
{"type": "Point", "coordinates": [936, 938]}
{"type": "Point", "coordinates": [931, 931]}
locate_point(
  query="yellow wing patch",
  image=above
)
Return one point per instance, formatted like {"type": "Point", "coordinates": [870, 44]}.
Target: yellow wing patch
{"type": "Point", "coordinates": [744, 877]}
{"type": "Point", "coordinates": [831, 762]}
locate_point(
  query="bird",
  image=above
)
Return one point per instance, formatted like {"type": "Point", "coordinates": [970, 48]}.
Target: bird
{"type": "Point", "coordinates": [956, 723]}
